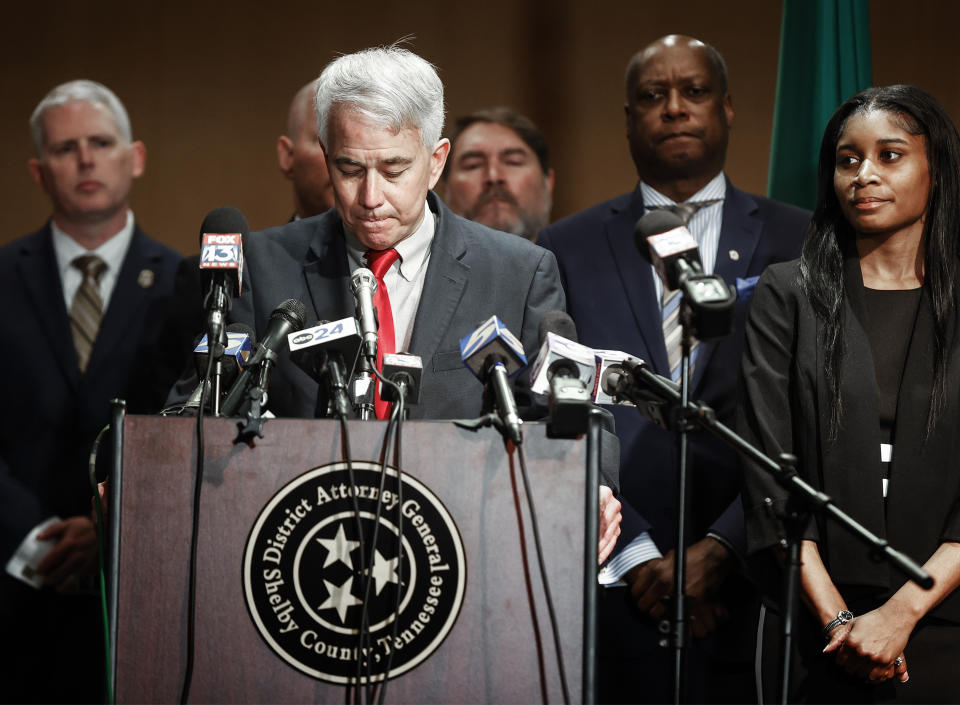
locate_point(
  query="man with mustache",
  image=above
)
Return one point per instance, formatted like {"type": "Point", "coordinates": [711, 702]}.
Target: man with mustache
{"type": "Point", "coordinates": [498, 173]}
{"type": "Point", "coordinates": [678, 118]}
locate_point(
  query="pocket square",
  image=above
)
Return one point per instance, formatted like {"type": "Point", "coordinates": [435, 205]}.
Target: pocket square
{"type": "Point", "coordinates": [746, 286]}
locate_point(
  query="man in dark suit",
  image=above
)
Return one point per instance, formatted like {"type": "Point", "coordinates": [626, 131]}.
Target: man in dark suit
{"type": "Point", "coordinates": [678, 114]}
{"type": "Point", "coordinates": [380, 120]}
{"type": "Point", "coordinates": [384, 154]}
{"type": "Point", "coordinates": [78, 297]}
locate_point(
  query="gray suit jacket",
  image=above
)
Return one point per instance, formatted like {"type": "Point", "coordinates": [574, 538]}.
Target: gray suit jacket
{"type": "Point", "coordinates": [473, 273]}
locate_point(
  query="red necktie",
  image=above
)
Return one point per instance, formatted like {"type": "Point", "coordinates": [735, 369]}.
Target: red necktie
{"type": "Point", "coordinates": [380, 261]}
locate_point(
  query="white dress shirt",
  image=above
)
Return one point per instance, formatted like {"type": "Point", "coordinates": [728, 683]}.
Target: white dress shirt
{"type": "Point", "coordinates": [705, 227]}
{"type": "Point", "coordinates": [111, 252]}
{"type": "Point", "coordinates": [404, 279]}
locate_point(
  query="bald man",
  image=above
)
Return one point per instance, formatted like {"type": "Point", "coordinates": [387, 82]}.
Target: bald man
{"type": "Point", "coordinates": [679, 114]}
{"type": "Point", "coordinates": [301, 158]}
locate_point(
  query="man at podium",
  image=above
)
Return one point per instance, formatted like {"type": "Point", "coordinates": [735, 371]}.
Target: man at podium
{"type": "Point", "coordinates": [380, 115]}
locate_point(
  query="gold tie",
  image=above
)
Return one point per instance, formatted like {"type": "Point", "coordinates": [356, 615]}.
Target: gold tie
{"type": "Point", "coordinates": [87, 308]}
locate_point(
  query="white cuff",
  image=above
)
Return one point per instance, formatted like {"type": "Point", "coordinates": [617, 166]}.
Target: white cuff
{"type": "Point", "coordinates": [640, 550]}
{"type": "Point", "coordinates": [24, 561]}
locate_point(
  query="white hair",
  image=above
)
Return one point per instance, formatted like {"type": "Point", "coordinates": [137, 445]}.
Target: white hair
{"type": "Point", "coordinates": [392, 86]}
{"type": "Point", "coordinates": [87, 91]}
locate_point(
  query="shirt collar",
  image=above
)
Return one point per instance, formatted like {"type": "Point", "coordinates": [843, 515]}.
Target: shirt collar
{"type": "Point", "coordinates": [111, 252]}
{"type": "Point", "coordinates": [716, 188]}
{"type": "Point", "coordinates": [413, 250]}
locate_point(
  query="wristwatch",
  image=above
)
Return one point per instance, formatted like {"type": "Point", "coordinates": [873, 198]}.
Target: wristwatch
{"type": "Point", "coordinates": [843, 616]}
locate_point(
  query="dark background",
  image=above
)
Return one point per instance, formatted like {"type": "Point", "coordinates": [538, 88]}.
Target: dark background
{"type": "Point", "coordinates": [207, 84]}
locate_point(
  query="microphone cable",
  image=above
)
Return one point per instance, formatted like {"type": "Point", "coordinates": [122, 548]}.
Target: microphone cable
{"type": "Point", "coordinates": [348, 458]}
{"type": "Point", "coordinates": [397, 414]}
{"type": "Point", "coordinates": [101, 552]}
{"type": "Point", "coordinates": [392, 431]}
{"type": "Point", "coordinates": [543, 573]}
{"type": "Point", "coordinates": [195, 535]}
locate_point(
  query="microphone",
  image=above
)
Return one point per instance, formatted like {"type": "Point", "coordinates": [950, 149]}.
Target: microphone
{"type": "Point", "coordinates": [608, 362]}
{"type": "Point", "coordinates": [240, 342]}
{"type": "Point", "coordinates": [663, 239]}
{"type": "Point", "coordinates": [238, 348]}
{"type": "Point", "coordinates": [221, 263]}
{"type": "Point", "coordinates": [565, 369]}
{"type": "Point", "coordinates": [494, 354]}
{"type": "Point", "coordinates": [653, 395]}
{"type": "Point", "coordinates": [560, 354]}
{"type": "Point", "coordinates": [363, 285]}
{"type": "Point", "coordinates": [321, 352]}
{"type": "Point", "coordinates": [406, 371]}
{"type": "Point", "coordinates": [287, 317]}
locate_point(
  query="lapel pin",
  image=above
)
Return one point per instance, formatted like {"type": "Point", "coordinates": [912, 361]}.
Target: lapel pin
{"type": "Point", "coordinates": [145, 278]}
{"type": "Point", "coordinates": [734, 255]}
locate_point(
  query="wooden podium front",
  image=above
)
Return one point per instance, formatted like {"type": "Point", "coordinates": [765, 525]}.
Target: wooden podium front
{"type": "Point", "coordinates": [500, 646]}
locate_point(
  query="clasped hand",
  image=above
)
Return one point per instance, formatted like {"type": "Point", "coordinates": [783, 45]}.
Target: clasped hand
{"type": "Point", "coordinates": [74, 552]}
{"type": "Point", "coordinates": [708, 564]}
{"type": "Point", "coordinates": [868, 646]}
{"type": "Point", "coordinates": [610, 518]}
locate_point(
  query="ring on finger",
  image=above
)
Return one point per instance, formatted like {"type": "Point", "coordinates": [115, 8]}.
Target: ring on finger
{"type": "Point", "coordinates": [898, 661]}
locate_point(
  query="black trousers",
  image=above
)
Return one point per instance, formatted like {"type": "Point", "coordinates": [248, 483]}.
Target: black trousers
{"type": "Point", "coordinates": [633, 667]}
{"type": "Point", "coordinates": [54, 646]}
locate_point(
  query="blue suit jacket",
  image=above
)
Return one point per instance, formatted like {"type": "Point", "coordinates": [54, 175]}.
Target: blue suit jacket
{"type": "Point", "coordinates": [52, 413]}
{"type": "Point", "coordinates": [473, 273]}
{"type": "Point", "coordinates": [612, 299]}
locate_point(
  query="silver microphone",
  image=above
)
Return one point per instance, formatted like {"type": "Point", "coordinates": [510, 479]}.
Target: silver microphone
{"type": "Point", "coordinates": [363, 285]}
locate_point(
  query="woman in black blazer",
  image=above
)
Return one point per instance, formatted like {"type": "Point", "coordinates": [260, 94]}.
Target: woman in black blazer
{"type": "Point", "coordinates": [852, 363]}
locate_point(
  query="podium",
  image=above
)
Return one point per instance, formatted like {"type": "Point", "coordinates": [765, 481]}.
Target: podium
{"type": "Point", "coordinates": [478, 629]}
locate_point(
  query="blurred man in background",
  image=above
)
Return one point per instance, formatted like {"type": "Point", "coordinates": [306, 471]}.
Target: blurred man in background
{"type": "Point", "coordinates": [499, 173]}
{"type": "Point", "coordinates": [79, 299]}
{"type": "Point", "coordinates": [301, 157]}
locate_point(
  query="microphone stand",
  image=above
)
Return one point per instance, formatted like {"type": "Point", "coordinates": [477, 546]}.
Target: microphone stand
{"type": "Point", "coordinates": [683, 425]}
{"type": "Point", "coordinates": [591, 523]}
{"type": "Point", "coordinates": [216, 349]}
{"type": "Point", "coordinates": [218, 306]}
{"type": "Point", "coordinates": [804, 501]}
{"type": "Point", "coordinates": [363, 388]}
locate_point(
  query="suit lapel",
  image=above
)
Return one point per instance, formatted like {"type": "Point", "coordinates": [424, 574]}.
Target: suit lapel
{"type": "Point", "coordinates": [326, 272]}
{"type": "Point", "coordinates": [37, 266]}
{"type": "Point", "coordinates": [443, 287]}
{"type": "Point", "coordinates": [740, 232]}
{"type": "Point", "coordinates": [131, 293]}
{"type": "Point", "coordinates": [636, 274]}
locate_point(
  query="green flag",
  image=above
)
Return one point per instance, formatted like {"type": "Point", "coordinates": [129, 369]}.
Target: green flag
{"type": "Point", "coordinates": [824, 59]}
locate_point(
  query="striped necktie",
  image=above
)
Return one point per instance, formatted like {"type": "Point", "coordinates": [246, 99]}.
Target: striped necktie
{"type": "Point", "coordinates": [87, 308]}
{"type": "Point", "coordinates": [381, 261]}
{"type": "Point", "coordinates": [670, 300]}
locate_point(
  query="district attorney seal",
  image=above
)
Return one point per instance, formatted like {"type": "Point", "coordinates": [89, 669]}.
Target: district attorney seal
{"type": "Point", "coordinates": [303, 576]}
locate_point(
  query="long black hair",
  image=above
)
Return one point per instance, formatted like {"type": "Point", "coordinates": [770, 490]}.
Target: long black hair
{"type": "Point", "coordinates": [830, 235]}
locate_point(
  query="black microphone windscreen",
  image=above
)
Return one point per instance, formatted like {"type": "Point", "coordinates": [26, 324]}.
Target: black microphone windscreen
{"type": "Point", "coordinates": [245, 330]}
{"type": "Point", "coordinates": [559, 323]}
{"type": "Point", "coordinates": [225, 219]}
{"type": "Point", "coordinates": [656, 222]}
{"type": "Point", "coordinates": [292, 311]}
